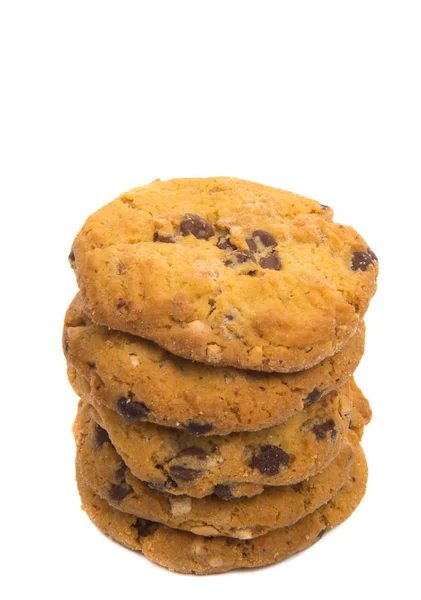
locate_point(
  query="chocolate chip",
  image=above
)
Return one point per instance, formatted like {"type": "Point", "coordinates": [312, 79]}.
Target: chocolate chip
{"type": "Point", "coordinates": [193, 451]}
{"type": "Point", "coordinates": [251, 244]}
{"type": "Point", "coordinates": [184, 473]}
{"type": "Point", "coordinates": [91, 365]}
{"type": "Point", "coordinates": [117, 493]}
{"type": "Point", "coordinates": [223, 491]}
{"type": "Point", "coordinates": [198, 428]}
{"type": "Point", "coordinates": [361, 261]}
{"type": "Point", "coordinates": [212, 304]}
{"type": "Point", "coordinates": [270, 459]}
{"type": "Point", "coordinates": [321, 430]}
{"type": "Point", "coordinates": [197, 226]}
{"type": "Point", "coordinates": [239, 257]}
{"type": "Point", "coordinates": [313, 396]}
{"type": "Point", "coordinates": [72, 256]}
{"type": "Point", "coordinates": [100, 436]}
{"type": "Point", "coordinates": [121, 473]}
{"type": "Point", "coordinates": [224, 244]}
{"type": "Point", "coordinates": [121, 303]}
{"type": "Point", "coordinates": [131, 409]}
{"type": "Point", "coordinates": [229, 317]}
{"type": "Point", "coordinates": [165, 239]}
{"type": "Point", "coordinates": [266, 238]}
{"type": "Point", "coordinates": [144, 527]}
{"type": "Point", "coordinates": [157, 486]}
{"type": "Point", "coordinates": [321, 533]}
{"type": "Point", "coordinates": [66, 347]}
{"type": "Point", "coordinates": [324, 207]}
{"type": "Point", "coordinates": [372, 254]}
{"type": "Point", "coordinates": [273, 261]}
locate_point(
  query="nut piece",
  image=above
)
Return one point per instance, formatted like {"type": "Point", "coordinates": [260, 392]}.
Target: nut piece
{"type": "Point", "coordinates": [215, 561]}
{"type": "Point", "coordinates": [180, 505]}
{"type": "Point", "coordinates": [213, 352]}
{"type": "Point", "coordinates": [205, 530]}
{"type": "Point", "coordinates": [134, 359]}
{"type": "Point", "coordinates": [244, 534]}
{"type": "Point", "coordinates": [197, 327]}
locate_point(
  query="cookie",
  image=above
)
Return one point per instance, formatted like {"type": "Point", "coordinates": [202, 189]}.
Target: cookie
{"type": "Point", "coordinates": [104, 470]}
{"type": "Point", "coordinates": [226, 272]}
{"type": "Point", "coordinates": [198, 466]}
{"type": "Point", "coordinates": [361, 411]}
{"type": "Point", "coordinates": [185, 552]}
{"type": "Point", "coordinates": [141, 381]}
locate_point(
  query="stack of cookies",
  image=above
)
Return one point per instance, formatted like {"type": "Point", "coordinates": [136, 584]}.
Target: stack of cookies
{"type": "Point", "coordinates": [212, 344]}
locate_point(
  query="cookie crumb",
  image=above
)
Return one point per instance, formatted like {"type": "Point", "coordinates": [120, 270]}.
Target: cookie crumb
{"type": "Point", "coordinates": [134, 359]}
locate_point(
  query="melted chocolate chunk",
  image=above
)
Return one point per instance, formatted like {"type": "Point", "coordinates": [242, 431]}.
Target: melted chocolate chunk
{"type": "Point", "coordinates": [197, 226]}
{"type": "Point", "coordinates": [117, 493]}
{"type": "Point", "coordinates": [321, 430]}
{"type": "Point", "coordinates": [251, 244]}
{"type": "Point", "coordinates": [313, 396]}
{"type": "Point", "coordinates": [157, 486]}
{"type": "Point", "coordinates": [144, 527]}
{"type": "Point", "coordinates": [224, 244]}
{"type": "Point", "coordinates": [100, 436]}
{"type": "Point", "coordinates": [72, 257]}
{"type": "Point", "coordinates": [131, 409]}
{"type": "Point", "coordinates": [239, 257]}
{"type": "Point", "coordinates": [165, 239]}
{"type": "Point", "coordinates": [361, 261]}
{"type": "Point", "coordinates": [223, 491]}
{"type": "Point", "coordinates": [170, 484]}
{"type": "Point", "coordinates": [269, 460]}
{"type": "Point", "coordinates": [267, 239]}
{"type": "Point", "coordinates": [121, 303]}
{"type": "Point", "coordinates": [273, 261]}
{"type": "Point", "coordinates": [184, 473]}
{"type": "Point", "coordinates": [198, 428]}
{"type": "Point", "coordinates": [321, 533]}
{"type": "Point", "coordinates": [91, 365]}
{"type": "Point", "coordinates": [193, 451]}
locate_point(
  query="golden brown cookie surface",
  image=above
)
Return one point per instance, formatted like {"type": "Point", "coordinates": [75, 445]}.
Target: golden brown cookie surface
{"type": "Point", "coordinates": [141, 381]}
{"type": "Point", "coordinates": [185, 552]}
{"type": "Point", "coordinates": [246, 518]}
{"type": "Point", "coordinates": [236, 465]}
{"type": "Point", "coordinates": [226, 272]}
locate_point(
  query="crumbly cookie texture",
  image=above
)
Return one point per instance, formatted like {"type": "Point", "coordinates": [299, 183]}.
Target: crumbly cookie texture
{"type": "Point", "coordinates": [104, 470]}
{"type": "Point", "coordinates": [185, 552]}
{"type": "Point", "coordinates": [226, 272]}
{"type": "Point", "coordinates": [141, 381]}
{"type": "Point", "coordinates": [235, 465]}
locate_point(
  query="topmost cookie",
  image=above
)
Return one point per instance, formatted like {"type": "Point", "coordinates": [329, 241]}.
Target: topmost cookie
{"type": "Point", "coordinates": [225, 271]}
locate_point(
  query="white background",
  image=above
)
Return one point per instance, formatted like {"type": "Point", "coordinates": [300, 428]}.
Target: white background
{"type": "Point", "coordinates": [321, 98]}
